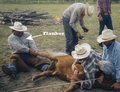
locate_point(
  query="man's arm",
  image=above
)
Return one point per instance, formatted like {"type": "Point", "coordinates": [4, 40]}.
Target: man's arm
{"type": "Point", "coordinates": [32, 45]}
{"type": "Point", "coordinates": [16, 46]}
{"type": "Point", "coordinates": [88, 82]}
{"type": "Point", "coordinates": [73, 20]}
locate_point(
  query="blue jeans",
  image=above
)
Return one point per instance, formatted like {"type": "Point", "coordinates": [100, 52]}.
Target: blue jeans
{"type": "Point", "coordinates": [108, 68]}
{"type": "Point", "coordinates": [13, 68]}
{"type": "Point", "coordinates": [106, 21]}
{"type": "Point", "coordinates": [71, 36]}
{"type": "Point", "coordinates": [25, 58]}
{"type": "Point", "coordinates": [44, 67]}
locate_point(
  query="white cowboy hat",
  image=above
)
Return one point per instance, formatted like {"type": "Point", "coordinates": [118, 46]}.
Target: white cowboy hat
{"type": "Point", "coordinates": [89, 10]}
{"type": "Point", "coordinates": [81, 51]}
{"type": "Point", "coordinates": [18, 27]}
{"type": "Point", "coordinates": [107, 35]}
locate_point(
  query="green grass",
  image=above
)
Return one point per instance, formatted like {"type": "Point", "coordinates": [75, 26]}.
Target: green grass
{"type": "Point", "coordinates": [55, 43]}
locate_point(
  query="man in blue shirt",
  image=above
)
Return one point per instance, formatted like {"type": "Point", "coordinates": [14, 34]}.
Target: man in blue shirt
{"type": "Point", "coordinates": [110, 63]}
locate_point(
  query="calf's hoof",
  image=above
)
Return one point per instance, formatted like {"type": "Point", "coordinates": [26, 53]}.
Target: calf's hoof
{"type": "Point", "coordinates": [33, 78]}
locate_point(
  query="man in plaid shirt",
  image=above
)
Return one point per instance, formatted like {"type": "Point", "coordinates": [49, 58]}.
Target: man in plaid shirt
{"type": "Point", "coordinates": [89, 59]}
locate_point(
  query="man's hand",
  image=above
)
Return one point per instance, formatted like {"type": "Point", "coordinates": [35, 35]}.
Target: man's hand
{"type": "Point", "coordinates": [75, 71]}
{"type": "Point", "coordinates": [85, 29]}
{"type": "Point", "coordinates": [100, 80]}
{"type": "Point", "coordinates": [116, 86]}
{"type": "Point", "coordinates": [100, 18]}
{"type": "Point", "coordinates": [32, 52]}
{"type": "Point", "coordinates": [79, 35]}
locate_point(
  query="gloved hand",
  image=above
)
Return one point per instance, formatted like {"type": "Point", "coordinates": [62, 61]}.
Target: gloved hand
{"type": "Point", "coordinates": [79, 35]}
{"type": "Point", "coordinates": [85, 29]}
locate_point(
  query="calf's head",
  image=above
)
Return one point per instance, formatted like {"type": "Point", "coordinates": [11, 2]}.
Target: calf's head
{"type": "Point", "coordinates": [80, 70]}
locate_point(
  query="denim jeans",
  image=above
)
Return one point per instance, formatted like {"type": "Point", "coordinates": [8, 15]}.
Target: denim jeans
{"type": "Point", "coordinates": [71, 36]}
{"type": "Point", "coordinates": [12, 67]}
{"type": "Point", "coordinates": [44, 67]}
{"type": "Point", "coordinates": [108, 68]}
{"type": "Point", "coordinates": [106, 21]}
{"type": "Point", "coordinates": [25, 57]}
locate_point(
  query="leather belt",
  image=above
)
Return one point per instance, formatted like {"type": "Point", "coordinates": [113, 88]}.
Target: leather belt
{"type": "Point", "coordinates": [106, 13]}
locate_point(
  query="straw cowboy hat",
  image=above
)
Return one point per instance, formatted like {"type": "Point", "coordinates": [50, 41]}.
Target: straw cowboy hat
{"type": "Point", "coordinates": [107, 35]}
{"type": "Point", "coordinates": [18, 27]}
{"type": "Point", "coordinates": [89, 10]}
{"type": "Point", "coordinates": [81, 51]}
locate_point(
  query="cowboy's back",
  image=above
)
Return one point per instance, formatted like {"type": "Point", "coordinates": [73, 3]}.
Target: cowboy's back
{"type": "Point", "coordinates": [73, 13]}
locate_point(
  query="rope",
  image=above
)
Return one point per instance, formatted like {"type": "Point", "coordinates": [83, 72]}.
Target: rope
{"type": "Point", "coordinates": [54, 85]}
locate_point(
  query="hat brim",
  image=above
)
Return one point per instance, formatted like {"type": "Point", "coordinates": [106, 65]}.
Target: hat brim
{"type": "Point", "coordinates": [24, 28]}
{"type": "Point", "coordinates": [88, 48]}
{"type": "Point", "coordinates": [100, 40]}
{"type": "Point", "coordinates": [86, 12]}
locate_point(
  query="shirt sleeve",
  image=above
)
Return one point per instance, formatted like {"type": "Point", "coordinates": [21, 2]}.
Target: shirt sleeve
{"type": "Point", "coordinates": [73, 19]}
{"type": "Point", "coordinates": [16, 46]}
{"type": "Point", "coordinates": [21, 44]}
{"type": "Point", "coordinates": [117, 66]}
{"type": "Point", "coordinates": [33, 45]}
{"type": "Point", "coordinates": [98, 7]}
{"type": "Point", "coordinates": [81, 22]}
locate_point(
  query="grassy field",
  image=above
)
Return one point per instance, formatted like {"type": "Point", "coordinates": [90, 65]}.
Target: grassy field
{"type": "Point", "coordinates": [48, 42]}
{"type": "Point", "coordinates": [55, 43]}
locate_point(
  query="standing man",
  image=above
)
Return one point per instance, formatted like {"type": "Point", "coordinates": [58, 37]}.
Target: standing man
{"type": "Point", "coordinates": [104, 15]}
{"type": "Point", "coordinates": [24, 52]}
{"type": "Point", "coordinates": [70, 17]}
{"type": "Point", "coordinates": [110, 63]}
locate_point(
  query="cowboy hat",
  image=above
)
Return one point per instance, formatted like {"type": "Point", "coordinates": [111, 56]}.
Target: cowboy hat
{"type": "Point", "coordinates": [81, 51]}
{"type": "Point", "coordinates": [89, 10]}
{"type": "Point", "coordinates": [18, 27]}
{"type": "Point", "coordinates": [107, 35]}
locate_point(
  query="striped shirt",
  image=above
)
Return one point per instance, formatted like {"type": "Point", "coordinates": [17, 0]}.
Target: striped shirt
{"type": "Point", "coordinates": [104, 6]}
{"type": "Point", "coordinates": [90, 68]}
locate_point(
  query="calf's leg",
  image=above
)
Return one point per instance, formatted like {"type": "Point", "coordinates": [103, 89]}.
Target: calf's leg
{"type": "Point", "coordinates": [45, 73]}
{"type": "Point", "coordinates": [48, 55]}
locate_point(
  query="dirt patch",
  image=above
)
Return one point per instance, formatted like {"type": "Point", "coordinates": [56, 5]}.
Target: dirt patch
{"type": "Point", "coordinates": [23, 82]}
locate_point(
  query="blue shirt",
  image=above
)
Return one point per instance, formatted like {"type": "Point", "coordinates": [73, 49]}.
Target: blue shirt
{"type": "Point", "coordinates": [90, 68]}
{"type": "Point", "coordinates": [112, 54]}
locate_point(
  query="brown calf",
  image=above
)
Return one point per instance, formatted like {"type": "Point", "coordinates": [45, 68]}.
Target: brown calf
{"type": "Point", "coordinates": [63, 70]}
